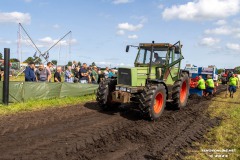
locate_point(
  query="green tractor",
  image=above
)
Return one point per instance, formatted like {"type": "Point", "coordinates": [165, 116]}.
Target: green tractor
{"type": "Point", "coordinates": [155, 80]}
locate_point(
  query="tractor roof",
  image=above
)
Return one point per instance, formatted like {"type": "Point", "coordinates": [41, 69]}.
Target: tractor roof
{"type": "Point", "coordinates": [156, 45]}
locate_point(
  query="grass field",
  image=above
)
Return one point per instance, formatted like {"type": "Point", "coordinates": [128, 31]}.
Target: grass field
{"type": "Point", "coordinates": [34, 105]}
{"type": "Point", "coordinates": [226, 137]}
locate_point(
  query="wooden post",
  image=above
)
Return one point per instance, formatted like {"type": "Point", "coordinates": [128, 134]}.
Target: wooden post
{"type": "Point", "coordinates": [6, 76]}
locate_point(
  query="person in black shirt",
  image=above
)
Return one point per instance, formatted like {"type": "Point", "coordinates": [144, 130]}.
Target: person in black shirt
{"type": "Point", "coordinates": [83, 73]}
{"type": "Point", "coordinates": [76, 74]}
{"type": "Point", "coordinates": [57, 75]}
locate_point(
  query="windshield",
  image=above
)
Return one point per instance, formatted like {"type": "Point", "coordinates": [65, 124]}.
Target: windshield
{"type": "Point", "coordinates": [159, 57]}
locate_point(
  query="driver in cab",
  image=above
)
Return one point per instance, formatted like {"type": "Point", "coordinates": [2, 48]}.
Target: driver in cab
{"type": "Point", "coordinates": [158, 60]}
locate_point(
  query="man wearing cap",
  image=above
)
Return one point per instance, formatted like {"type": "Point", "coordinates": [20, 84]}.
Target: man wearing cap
{"type": "Point", "coordinates": [29, 73]}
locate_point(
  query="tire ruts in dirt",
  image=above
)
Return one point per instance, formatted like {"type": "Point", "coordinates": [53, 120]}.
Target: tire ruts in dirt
{"type": "Point", "coordinates": [85, 132]}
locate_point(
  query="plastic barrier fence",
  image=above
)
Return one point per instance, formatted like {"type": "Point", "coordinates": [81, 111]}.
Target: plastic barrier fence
{"type": "Point", "coordinates": [24, 91]}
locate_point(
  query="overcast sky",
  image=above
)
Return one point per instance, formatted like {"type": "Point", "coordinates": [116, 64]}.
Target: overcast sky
{"type": "Point", "coordinates": [208, 29]}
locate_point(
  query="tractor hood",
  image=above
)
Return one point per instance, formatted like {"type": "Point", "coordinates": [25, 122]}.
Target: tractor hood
{"type": "Point", "coordinates": [135, 76]}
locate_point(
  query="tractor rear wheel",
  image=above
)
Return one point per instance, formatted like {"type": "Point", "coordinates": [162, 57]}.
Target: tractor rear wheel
{"type": "Point", "coordinates": [153, 100]}
{"type": "Point", "coordinates": [104, 93]}
{"type": "Point", "coordinates": [180, 91]}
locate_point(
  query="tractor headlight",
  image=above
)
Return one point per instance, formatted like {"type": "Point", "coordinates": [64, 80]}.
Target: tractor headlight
{"type": "Point", "coordinates": [117, 88]}
{"type": "Point", "coordinates": [124, 89]}
{"type": "Point", "coordinates": [128, 90]}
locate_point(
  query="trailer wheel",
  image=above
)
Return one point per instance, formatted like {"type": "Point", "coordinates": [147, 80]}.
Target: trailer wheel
{"type": "Point", "coordinates": [153, 100]}
{"type": "Point", "coordinates": [180, 91]}
{"type": "Point", "coordinates": [104, 93]}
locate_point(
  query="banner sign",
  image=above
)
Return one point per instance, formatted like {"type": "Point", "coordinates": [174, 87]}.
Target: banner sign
{"type": "Point", "coordinates": [192, 69]}
{"type": "Point", "coordinates": [207, 70]}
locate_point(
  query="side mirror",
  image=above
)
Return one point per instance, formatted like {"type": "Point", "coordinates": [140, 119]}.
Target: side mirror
{"type": "Point", "coordinates": [127, 48]}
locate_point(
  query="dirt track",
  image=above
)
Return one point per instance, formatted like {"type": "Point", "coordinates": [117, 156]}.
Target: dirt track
{"type": "Point", "coordinates": [83, 132]}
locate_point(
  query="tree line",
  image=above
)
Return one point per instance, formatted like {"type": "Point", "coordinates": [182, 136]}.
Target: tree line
{"type": "Point", "coordinates": [38, 60]}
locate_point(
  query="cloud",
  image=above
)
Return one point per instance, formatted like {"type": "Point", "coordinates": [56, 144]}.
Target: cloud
{"type": "Point", "coordinates": [3, 41]}
{"type": "Point", "coordinates": [103, 63]}
{"type": "Point", "coordinates": [223, 30]}
{"type": "Point", "coordinates": [237, 35]}
{"type": "Point", "coordinates": [129, 27]}
{"type": "Point", "coordinates": [15, 17]}
{"type": "Point", "coordinates": [126, 27]}
{"type": "Point", "coordinates": [203, 10]}
{"type": "Point", "coordinates": [236, 21]}
{"type": "Point", "coordinates": [120, 32]}
{"type": "Point", "coordinates": [48, 41]}
{"type": "Point", "coordinates": [221, 22]}
{"type": "Point", "coordinates": [133, 36]}
{"type": "Point", "coordinates": [233, 46]}
{"type": "Point", "coordinates": [73, 41]}
{"type": "Point", "coordinates": [236, 32]}
{"type": "Point", "coordinates": [209, 41]}
{"type": "Point", "coordinates": [121, 1]}
{"type": "Point", "coordinates": [111, 64]}
{"type": "Point", "coordinates": [56, 26]}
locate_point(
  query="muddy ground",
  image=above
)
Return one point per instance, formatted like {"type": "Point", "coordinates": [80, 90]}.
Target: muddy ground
{"type": "Point", "coordinates": [84, 132]}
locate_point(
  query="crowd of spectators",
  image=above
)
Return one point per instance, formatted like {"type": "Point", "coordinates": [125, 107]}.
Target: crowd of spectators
{"type": "Point", "coordinates": [90, 74]}
{"type": "Point", "coordinates": [72, 74]}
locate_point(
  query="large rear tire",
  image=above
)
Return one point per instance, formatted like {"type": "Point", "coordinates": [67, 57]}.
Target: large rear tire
{"type": "Point", "coordinates": [153, 100]}
{"type": "Point", "coordinates": [104, 93]}
{"type": "Point", "coordinates": [180, 91]}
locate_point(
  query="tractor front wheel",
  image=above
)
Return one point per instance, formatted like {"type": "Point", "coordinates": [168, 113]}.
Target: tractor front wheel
{"type": "Point", "coordinates": [180, 91]}
{"type": "Point", "coordinates": [153, 100]}
{"type": "Point", "coordinates": [104, 93]}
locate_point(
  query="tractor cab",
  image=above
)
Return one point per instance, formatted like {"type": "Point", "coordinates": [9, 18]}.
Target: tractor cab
{"type": "Point", "coordinates": [144, 56]}
{"type": "Point", "coordinates": [161, 59]}
{"type": "Point", "coordinates": [162, 54]}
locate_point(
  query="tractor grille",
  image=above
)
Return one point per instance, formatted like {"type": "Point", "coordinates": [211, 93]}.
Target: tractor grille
{"type": "Point", "coordinates": [124, 76]}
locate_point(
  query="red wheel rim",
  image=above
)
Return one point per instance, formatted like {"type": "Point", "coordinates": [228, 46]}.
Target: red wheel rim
{"type": "Point", "coordinates": [183, 92]}
{"type": "Point", "coordinates": [158, 103]}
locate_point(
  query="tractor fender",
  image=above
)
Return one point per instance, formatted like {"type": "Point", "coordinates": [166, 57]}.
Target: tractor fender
{"type": "Point", "coordinates": [156, 81]}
